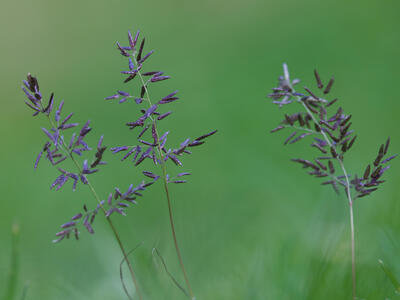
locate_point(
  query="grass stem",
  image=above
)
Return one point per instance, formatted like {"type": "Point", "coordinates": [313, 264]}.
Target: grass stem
{"type": "Point", "coordinates": [164, 173]}
{"type": "Point", "coordinates": [348, 191]}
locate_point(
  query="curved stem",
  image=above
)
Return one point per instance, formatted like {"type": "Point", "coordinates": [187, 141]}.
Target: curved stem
{"type": "Point", "coordinates": [114, 230]}
{"type": "Point", "coordinates": [164, 171]}
{"type": "Point", "coordinates": [171, 219]}
{"type": "Point", "coordinates": [117, 237]}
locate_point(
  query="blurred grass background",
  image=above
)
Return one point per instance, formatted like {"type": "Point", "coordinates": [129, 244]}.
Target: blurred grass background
{"type": "Point", "coordinates": [251, 224]}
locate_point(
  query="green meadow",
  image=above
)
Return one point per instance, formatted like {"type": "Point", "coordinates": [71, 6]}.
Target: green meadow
{"type": "Point", "coordinates": [251, 224]}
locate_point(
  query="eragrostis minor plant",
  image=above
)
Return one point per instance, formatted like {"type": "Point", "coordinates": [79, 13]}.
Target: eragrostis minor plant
{"type": "Point", "coordinates": [149, 146]}
{"type": "Point", "coordinates": [149, 142]}
{"type": "Point", "coordinates": [333, 138]}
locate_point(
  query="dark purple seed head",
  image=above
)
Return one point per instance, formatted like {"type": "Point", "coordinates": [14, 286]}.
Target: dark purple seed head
{"type": "Point", "coordinates": [183, 174]}
{"type": "Point", "coordinates": [329, 85]}
{"type": "Point", "coordinates": [122, 93]}
{"type": "Point", "coordinates": [146, 57]}
{"type": "Point", "coordinates": [76, 217]}
{"type": "Point", "coordinates": [164, 115]}
{"type": "Point", "coordinates": [131, 40]}
{"type": "Point", "coordinates": [67, 225]}
{"type": "Point", "coordinates": [318, 79]}
{"type": "Point", "coordinates": [388, 159]}
{"type": "Point", "coordinates": [159, 78]}
{"type": "Point", "coordinates": [206, 135]}
{"type": "Point", "coordinates": [139, 55]}
{"type": "Point", "coordinates": [387, 146]}
{"type": "Point", "coordinates": [196, 143]}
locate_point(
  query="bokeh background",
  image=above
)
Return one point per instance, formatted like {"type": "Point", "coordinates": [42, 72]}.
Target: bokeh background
{"type": "Point", "coordinates": [251, 224]}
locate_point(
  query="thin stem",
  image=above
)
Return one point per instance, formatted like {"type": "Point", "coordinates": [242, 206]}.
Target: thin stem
{"type": "Point", "coordinates": [353, 246]}
{"type": "Point", "coordinates": [164, 171]}
{"type": "Point", "coordinates": [302, 128]}
{"type": "Point", "coordinates": [171, 219]}
{"type": "Point", "coordinates": [118, 238]}
{"type": "Point", "coordinates": [348, 192]}
{"type": "Point", "coordinates": [114, 230]}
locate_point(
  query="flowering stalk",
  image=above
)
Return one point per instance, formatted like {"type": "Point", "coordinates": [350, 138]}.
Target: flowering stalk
{"type": "Point", "coordinates": [155, 150]}
{"type": "Point", "coordinates": [165, 181]}
{"type": "Point", "coordinates": [333, 138]}
{"type": "Point", "coordinates": [56, 150]}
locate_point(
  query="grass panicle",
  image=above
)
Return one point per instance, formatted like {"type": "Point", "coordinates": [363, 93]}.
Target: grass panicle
{"type": "Point", "coordinates": [331, 135]}
{"type": "Point", "coordinates": [151, 142]}
{"type": "Point", "coordinates": [62, 145]}
{"type": "Point", "coordinates": [59, 148]}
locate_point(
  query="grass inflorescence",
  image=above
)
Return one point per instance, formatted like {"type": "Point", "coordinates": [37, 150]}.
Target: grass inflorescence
{"type": "Point", "coordinates": [151, 143]}
{"type": "Point", "coordinates": [62, 146]}
{"type": "Point", "coordinates": [332, 137]}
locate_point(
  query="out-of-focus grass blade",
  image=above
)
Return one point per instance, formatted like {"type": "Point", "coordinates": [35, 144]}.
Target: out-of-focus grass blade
{"type": "Point", "coordinates": [391, 276]}
{"type": "Point", "coordinates": [13, 275]}
{"type": "Point", "coordinates": [121, 274]}
{"type": "Point", "coordinates": [155, 250]}
{"type": "Point", "coordinates": [25, 291]}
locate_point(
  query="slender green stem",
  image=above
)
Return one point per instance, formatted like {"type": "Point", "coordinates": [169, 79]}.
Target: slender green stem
{"type": "Point", "coordinates": [114, 230]}
{"type": "Point", "coordinates": [118, 238]}
{"type": "Point", "coordinates": [348, 191]}
{"type": "Point", "coordinates": [348, 194]}
{"type": "Point", "coordinates": [171, 219]}
{"type": "Point", "coordinates": [353, 246]}
{"type": "Point", "coordinates": [164, 171]}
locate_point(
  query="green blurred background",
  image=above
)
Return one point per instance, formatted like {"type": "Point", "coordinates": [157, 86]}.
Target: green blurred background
{"type": "Point", "coordinates": [251, 224]}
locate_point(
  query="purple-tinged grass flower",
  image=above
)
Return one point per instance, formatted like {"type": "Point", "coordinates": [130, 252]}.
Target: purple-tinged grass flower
{"type": "Point", "coordinates": [151, 144]}
{"type": "Point", "coordinates": [331, 133]}
{"type": "Point", "coordinates": [332, 137]}
{"type": "Point", "coordinates": [56, 150]}
{"type": "Point", "coordinates": [84, 218]}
